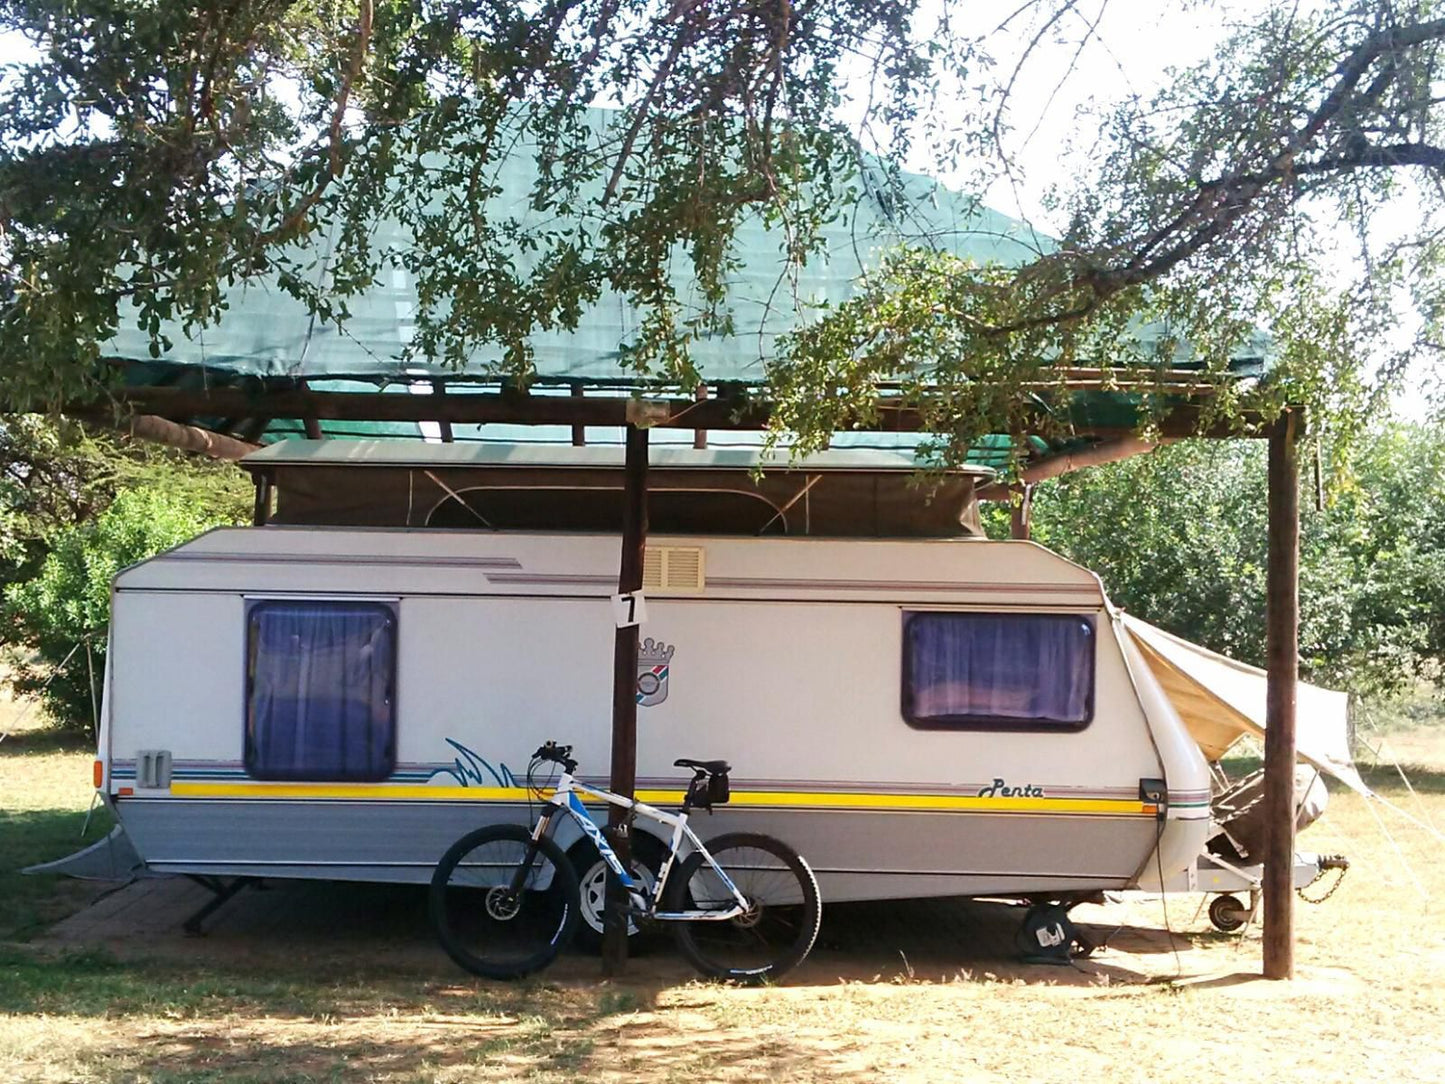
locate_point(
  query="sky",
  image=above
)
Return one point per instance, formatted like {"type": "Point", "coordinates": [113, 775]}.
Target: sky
{"type": "Point", "coordinates": [1130, 50]}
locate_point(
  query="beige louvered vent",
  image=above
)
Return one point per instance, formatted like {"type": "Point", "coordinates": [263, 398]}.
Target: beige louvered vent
{"type": "Point", "coordinates": [673, 568]}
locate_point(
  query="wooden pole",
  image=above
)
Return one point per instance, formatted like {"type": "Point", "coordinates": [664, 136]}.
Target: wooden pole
{"type": "Point", "coordinates": [624, 696]}
{"type": "Point", "coordinates": [514, 408]}
{"type": "Point", "coordinates": [579, 432]}
{"type": "Point", "coordinates": [1282, 650]}
{"type": "Point", "coordinates": [188, 438]}
{"type": "Point", "coordinates": [699, 436]}
{"type": "Point", "coordinates": [261, 510]}
{"type": "Point", "coordinates": [444, 427]}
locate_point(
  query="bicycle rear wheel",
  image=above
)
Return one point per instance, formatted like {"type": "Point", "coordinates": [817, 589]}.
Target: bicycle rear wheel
{"type": "Point", "coordinates": [775, 933]}
{"type": "Point", "coordinates": [502, 904]}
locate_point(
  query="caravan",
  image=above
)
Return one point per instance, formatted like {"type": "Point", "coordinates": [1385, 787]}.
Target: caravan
{"type": "Point", "coordinates": [919, 711]}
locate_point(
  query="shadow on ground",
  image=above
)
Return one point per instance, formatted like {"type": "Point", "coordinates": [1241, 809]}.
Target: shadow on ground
{"type": "Point", "coordinates": [386, 925]}
{"type": "Point", "coordinates": [38, 740]}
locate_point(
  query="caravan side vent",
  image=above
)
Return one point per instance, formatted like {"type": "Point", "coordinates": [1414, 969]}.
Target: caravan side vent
{"type": "Point", "coordinates": [153, 768]}
{"type": "Point", "coordinates": [673, 568]}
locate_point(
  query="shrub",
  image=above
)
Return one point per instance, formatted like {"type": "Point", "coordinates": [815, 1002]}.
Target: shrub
{"type": "Point", "coordinates": [67, 602]}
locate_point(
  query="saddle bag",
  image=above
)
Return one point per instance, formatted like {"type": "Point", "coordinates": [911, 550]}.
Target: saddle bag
{"type": "Point", "coordinates": [706, 791]}
{"type": "Point", "coordinates": [718, 789]}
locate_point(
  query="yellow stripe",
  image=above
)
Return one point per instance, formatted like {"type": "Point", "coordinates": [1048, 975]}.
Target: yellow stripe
{"type": "Point", "coordinates": [348, 790]}
{"type": "Point", "coordinates": [789, 798]}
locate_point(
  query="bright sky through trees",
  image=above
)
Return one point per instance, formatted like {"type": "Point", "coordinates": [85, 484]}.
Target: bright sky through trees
{"type": "Point", "coordinates": [1100, 52]}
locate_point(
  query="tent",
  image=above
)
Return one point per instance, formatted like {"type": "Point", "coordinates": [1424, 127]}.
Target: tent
{"type": "Point", "coordinates": [1221, 700]}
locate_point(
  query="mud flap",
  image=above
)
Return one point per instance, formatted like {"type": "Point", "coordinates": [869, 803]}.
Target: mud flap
{"type": "Point", "coordinates": [110, 859]}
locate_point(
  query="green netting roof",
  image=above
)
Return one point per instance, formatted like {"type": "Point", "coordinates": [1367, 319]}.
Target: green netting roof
{"type": "Point", "coordinates": [266, 339]}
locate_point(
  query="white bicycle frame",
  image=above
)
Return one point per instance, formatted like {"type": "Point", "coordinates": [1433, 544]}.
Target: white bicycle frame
{"type": "Point", "coordinates": [565, 799]}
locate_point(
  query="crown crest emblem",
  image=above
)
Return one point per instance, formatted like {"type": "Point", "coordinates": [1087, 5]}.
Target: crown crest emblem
{"type": "Point", "coordinates": [654, 653]}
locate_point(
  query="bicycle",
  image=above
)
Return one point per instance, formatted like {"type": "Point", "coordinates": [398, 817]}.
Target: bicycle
{"type": "Point", "coordinates": [504, 899]}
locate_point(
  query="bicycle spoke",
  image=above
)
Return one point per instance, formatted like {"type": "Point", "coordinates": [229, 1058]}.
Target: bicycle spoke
{"type": "Point", "coordinates": [780, 920]}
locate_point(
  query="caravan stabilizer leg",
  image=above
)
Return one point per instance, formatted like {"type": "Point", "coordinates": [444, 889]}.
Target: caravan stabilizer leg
{"type": "Point", "coordinates": [222, 891]}
{"type": "Point", "coordinates": [1048, 936]}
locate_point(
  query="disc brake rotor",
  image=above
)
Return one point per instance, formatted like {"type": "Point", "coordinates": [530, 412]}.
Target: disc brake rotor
{"type": "Point", "coordinates": [501, 904]}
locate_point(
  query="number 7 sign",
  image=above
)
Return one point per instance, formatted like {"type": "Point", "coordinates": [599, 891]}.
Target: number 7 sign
{"type": "Point", "coordinates": [629, 609]}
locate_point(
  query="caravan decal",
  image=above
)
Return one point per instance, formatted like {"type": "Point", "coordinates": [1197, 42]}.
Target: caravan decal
{"type": "Point", "coordinates": [999, 789]}
{"type": "Point", "coordinates": [468, 768]}
{"type": "Point", "coordinates": [654, 662]}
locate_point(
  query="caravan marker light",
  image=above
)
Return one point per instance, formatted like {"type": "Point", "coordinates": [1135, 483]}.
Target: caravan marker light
{"type": "Point", "coordinates": [97, 773]}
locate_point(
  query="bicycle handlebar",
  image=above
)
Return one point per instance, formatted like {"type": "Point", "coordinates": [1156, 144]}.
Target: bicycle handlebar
{"type": "Point", "coordinates": [557, 754]}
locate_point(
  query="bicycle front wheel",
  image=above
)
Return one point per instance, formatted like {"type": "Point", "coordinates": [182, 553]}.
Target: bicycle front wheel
{"type": "Point", "coordinates": [503, 904]}
{"type": "Point", "coordinates": [783, 911]}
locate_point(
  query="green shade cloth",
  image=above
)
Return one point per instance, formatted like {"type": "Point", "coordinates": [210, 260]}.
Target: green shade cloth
{"type": "Point", "coordinates": [267, 339]}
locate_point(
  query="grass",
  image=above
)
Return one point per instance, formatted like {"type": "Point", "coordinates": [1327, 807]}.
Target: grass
{"type": "Point", "coordinates": [1422, 706]}
{"type": "Point", "coordinates": [892, 1000]}
{"type": "Point", "coordinates": [46, 788]}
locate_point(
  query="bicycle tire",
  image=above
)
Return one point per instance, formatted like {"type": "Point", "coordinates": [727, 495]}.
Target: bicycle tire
{"type": "Point", "coordinates": [481, 925]}
{"type": "Point", "coordinates": [769, 940]}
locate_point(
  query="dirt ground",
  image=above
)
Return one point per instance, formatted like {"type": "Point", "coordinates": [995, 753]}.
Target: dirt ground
{"type": "Point", "coordinates": [324, 982]}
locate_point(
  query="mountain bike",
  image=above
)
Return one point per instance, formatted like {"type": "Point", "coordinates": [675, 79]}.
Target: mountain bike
{"type": "Point", "coordinates": [744, 907]}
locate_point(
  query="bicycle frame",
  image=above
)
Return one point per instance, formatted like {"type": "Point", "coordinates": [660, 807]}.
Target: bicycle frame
{"type": "Point", "coordinates": [565, 799]}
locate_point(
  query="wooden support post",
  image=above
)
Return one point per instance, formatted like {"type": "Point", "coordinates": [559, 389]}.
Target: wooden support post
{"type": "Point", "coordinates": [699, 436]}
{"type": "Point", "coordinates": [1282, 650]}
{"type": "Point", "coordinates": [579, 432]}
{"type": "Point", "coordinates": [1022, 509]}
{"type": "Point", "coordinates": [624, 695]}
{"type": "Point", "coordinates": [444, 427]}
{"type": "Point", "coordinates": [261, 512]}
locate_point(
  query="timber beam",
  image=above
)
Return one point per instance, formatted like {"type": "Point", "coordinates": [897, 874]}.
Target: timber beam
{"type": "Point", "coordinates": [1053, 466]}
{"type": "Point", "coordinates": [719, 413]}
{"type": "Point", "coordinates": [188, 438]}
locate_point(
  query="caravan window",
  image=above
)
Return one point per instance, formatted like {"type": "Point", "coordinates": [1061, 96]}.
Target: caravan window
{"type": "Point", "coordinates": [998, 671]}
{"type": "Point", "coordinates": [320, 690]}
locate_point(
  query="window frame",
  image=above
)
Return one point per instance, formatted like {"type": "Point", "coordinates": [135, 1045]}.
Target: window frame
{"type": "Point", "coordinates": [254, 605]}
{"type": "Point", "coordinates": [996, 723]}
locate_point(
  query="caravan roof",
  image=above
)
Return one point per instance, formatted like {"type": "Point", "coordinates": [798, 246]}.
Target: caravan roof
{"type": "Point", "coordinates": [415, 453]}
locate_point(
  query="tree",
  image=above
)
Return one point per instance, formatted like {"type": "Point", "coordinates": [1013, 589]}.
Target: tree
{"type": "Point", "coordinates": [1178, 537]}
{"type": "Point", "coordinates": [157, 152]}
{"type": "Point", "coordinates": [58, 474]}
{"type": "Point", "coordinates": [61, 614]}
{"type": "Point", "coordinates": [76, 506]}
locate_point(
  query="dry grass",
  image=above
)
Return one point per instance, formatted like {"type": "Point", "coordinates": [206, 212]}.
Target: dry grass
{"type": "Point", "coordinates": [1367, 1005]}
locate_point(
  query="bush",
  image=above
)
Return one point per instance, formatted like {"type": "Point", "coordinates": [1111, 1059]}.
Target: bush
{"type": "Point", "coordinates": [68, 601]}
{"type": "Point", "coordinates": [1179, 538]}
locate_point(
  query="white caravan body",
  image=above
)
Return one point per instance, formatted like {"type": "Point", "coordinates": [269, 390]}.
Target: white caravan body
{"type": "Point", "coordinates": [784, 656]}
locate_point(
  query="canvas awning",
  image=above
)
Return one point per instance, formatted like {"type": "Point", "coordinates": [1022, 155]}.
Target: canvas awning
{"type": "Point", "coordinates": [1220, 700]}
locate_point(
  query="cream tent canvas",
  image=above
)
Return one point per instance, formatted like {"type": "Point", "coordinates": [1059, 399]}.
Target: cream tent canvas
{"type": "Point", "coordinates": [1220, 700]}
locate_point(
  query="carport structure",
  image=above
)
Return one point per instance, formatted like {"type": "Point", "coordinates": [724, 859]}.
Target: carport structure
{"type": "Point", "coordinates": [271, 370]}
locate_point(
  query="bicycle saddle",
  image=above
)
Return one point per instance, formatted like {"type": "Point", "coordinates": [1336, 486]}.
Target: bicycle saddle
{"type": "Point", "coordinates": [712, 767]}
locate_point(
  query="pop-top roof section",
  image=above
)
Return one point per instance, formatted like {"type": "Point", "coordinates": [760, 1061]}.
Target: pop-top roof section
{"type": "Point", "coordinates": [841, 493]}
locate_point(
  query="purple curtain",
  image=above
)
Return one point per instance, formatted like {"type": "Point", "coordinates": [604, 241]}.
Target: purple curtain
{"type": "Point", "coordinates": [321, 680]}
{"type": "Point", "coordinates": [980, 668]}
